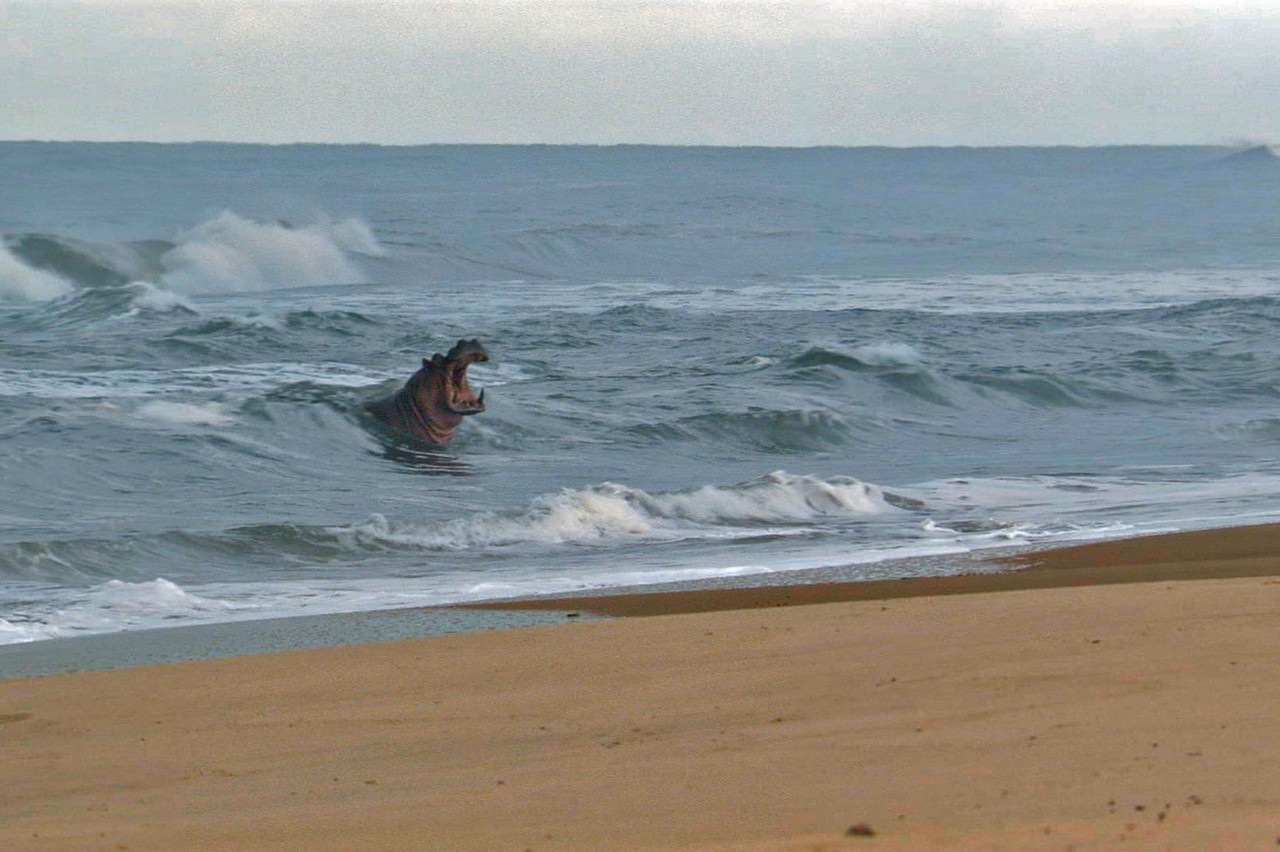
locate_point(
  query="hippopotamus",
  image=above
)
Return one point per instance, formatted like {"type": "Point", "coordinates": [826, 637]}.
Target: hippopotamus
{"type": "Point", "coordinates": [435, 399]}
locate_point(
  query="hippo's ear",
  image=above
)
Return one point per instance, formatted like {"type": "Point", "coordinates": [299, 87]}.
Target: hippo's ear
{"type": "Point", "coordinates": [426, 363]}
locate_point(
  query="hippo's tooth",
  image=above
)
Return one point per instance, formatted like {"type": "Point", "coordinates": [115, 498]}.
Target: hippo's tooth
{"type": "Point", "coordinates": [481, 398]}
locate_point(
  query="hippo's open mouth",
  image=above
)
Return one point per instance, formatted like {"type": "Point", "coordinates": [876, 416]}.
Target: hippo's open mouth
{"type": "Point", "coordinates": [459, 397]}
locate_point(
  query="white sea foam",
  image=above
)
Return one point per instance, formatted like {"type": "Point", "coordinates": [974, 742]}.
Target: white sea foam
{"type": "Point", "coordinates": [355, 236]}
{"type": "Point", "coordinates": [609, 512]}
{"type": "Point", "coordinates": [778, 497]}
{"type": "Point", "coordinates": [151, 298]}
{"type": "Point", "coordinates": [186, 414]}
{"type": "Point", "coordinates": [888, 355]}
{"type": "Point", "coordinates": [26, 283]}
{"type": "Point", "coordinates": [15, 632]}
{"type": "Point", "coordinates": [117, 605]}
{"type": "Point", "coordinates": [229, 254]}
{"type": "Point", "coordinates": [151, 598]}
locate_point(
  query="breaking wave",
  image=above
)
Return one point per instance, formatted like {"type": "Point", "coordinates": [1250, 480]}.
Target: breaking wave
{"type": "Point", "coordinates": [605, 516]}
{"type": "Point", "coordinates": [185, 413]}
{"type": "Point", "coordinates": [231, 254]}
{"type": "Point", "coordinates": [872, 356]}
{"type": "Point", "coordinates": [225, 254]}
{"type": "Point", "coordinates": [21, 282]}
{"type": "Point", "coordinates": [610, 511]}
{"type": "Point", "coordinates": [778, 503]}
{"type": "Point", "coordinates": [116, 605]}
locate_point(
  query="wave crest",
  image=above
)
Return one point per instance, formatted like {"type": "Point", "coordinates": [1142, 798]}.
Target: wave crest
{"type": "Point", "coordinates": [21, 282]}
{"type": "Point", "coordinates": [606, 512]}
{"type": "Point", "coordinates": [226, 254]}
{"type": "Point", "coordinates": [872, 356]}
{"type": "Point", "coordinates": [231, 254]}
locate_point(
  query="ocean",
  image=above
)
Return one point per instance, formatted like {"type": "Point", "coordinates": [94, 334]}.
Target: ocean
{"type": "Point", "coordinates": [708, 363]}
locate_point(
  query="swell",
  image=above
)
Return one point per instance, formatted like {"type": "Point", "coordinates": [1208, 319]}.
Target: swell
{"type": "Point", "coordinates": [1216, 350]}
{"type": "Point", "coordinates": [763, 429]}
{"type": "Point", "coordinates": [231, 336]}
{"type": "Point", "coordinates": [138, 324]}
{"type": "Point", "coordinates": [756, 382]}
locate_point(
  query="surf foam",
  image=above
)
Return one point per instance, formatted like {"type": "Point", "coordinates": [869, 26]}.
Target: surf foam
{"type": "Point", "coordinates": [21, 282]}
{"type": "Point", "coordinates": [186, 414]}
{"type": "Point", "coordinates": [229, 254]}
{"type": "Point", "coordinates": [225, 254]}
{"type": "Point", "coordinates": [888, 354]}
{"type": "Point", "coordinates": [608, 512]}
{"type": "Point", "coordinates": [114, 606]}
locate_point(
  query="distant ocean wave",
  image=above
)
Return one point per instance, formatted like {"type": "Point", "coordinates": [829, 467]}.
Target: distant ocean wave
{"type": "Point", "coordinates": [225, 254]}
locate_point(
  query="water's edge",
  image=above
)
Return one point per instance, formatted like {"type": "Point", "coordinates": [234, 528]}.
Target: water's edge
{"type": "Point", "coordinates": [184, 643]}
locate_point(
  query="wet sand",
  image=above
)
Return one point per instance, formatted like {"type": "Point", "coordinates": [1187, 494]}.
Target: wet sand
{"type": "Point", "coordinates": [1118, 694]}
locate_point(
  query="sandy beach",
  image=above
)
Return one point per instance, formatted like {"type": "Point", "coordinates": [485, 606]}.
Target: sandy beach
{"type": "Point", "coordinates": [1111, 695]}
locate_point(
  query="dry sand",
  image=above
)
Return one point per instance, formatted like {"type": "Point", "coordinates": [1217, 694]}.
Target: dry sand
{"type": "Point", "coordinates": [1132, 711]}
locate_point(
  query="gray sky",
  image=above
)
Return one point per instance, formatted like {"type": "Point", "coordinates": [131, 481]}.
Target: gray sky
{"type": "Point", "coordinates": [768, 72]}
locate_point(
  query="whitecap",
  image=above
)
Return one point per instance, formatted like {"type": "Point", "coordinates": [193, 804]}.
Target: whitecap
{"type": "Point", "coordinates": [26, 283]}
{"type": "Point", "coordinates": [229, 254]}
{"type": "Point", "coordinates": [769, 505]}
{"type": "Point", "coordinates": [778, 497]}
{"type": "Point", "coordinates": [888, 355]}
{"type": "Point", "coordinates": [151, 298]}
{"type": "Point", "coordinates": [185, 413]}
{"type": "Point", "coordinates": [354, 235]}
{"type": "Point", "coordinates": [17, 632]}
{"type": "Point", "coordinates": [158, 597]}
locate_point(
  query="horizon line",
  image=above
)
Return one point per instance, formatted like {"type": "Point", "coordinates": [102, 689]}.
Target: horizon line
{"type": "Point", "coordinates": [1242, 145]}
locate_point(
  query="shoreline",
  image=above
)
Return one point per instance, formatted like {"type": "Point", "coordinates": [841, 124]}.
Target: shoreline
{"type": "Point", "coordinates": [195, 642]}
{"type": "Point", "coordinates": [1220, 551]}
{"type": "Point", "coordinates": [200, 641]}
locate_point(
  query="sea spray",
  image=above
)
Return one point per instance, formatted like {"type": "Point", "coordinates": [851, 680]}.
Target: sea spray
{"type": "Point", "coordinates": [232, 254]}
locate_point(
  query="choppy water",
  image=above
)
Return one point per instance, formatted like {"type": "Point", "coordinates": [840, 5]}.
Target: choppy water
{"type": "Point", "coordinates": [708, 362]}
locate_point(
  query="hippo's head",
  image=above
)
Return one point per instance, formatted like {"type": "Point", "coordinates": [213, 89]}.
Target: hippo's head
{"type": "Point", "coordinates": [435, 399]}
{"type": "Point", "coordinates": [441, 388]}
